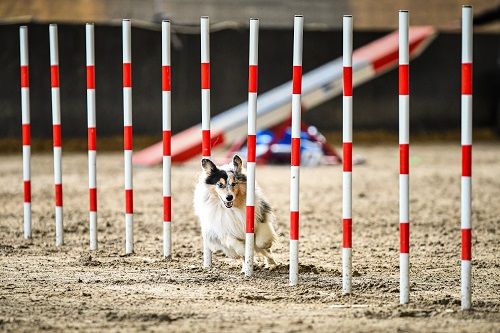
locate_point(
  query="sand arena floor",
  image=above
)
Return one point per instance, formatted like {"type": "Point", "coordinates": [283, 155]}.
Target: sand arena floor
{"type": "Point", "coordinates": [44, 288]}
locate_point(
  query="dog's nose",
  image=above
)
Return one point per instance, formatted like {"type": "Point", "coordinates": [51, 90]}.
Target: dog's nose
{"type": "Point", "coordinates": [229, 197]}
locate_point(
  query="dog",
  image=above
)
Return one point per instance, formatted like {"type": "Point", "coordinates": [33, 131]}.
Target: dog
{"type": "Point", "coordinates": [220, 204]}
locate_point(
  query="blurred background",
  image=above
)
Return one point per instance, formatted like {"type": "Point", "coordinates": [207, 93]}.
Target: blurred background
{"type": "Point", "coordinates": [435, 75]}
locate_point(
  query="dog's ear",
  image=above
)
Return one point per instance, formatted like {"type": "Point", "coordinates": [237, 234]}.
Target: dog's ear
{"type": "Point", "coordinates": [208, 166]}
{"type": "Point", "coordinates": [237, 164]}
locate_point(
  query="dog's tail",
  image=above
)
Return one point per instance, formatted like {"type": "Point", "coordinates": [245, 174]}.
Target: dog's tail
{"type": "Point", "coordinates": [269, 217]}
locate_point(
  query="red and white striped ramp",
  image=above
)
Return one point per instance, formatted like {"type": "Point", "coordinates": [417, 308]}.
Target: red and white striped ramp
{"type": "Point", "coordinates": [318, 86]}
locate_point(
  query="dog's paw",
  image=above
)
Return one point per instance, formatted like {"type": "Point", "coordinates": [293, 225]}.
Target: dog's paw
{"type": "Point", "coordinates": [269, 262]}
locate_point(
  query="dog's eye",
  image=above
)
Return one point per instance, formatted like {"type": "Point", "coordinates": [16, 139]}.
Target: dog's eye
{"type": "Point", "coordinates": [220, 185]}
{"type": "Point", "coordinates": [233, 184]}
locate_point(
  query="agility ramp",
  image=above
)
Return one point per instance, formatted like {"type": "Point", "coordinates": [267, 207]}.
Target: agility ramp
{"type": "Point", "coordinates": [273, 106]}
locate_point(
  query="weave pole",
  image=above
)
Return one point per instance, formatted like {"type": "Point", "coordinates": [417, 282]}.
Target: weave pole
{"type": "Point", "coordinates": [347, 157]}
{"type": "Point", "coordinates": [127, 136]}
{"type": "Point", "coordinates": [25, 121]}
{"type": "Point", "coordinates": [91, 129]}
{"type": "Point", "coordinates": [466, 184]}
{"type": "Point", "coordinates": [205, 110]}
{"type": "Point", "coordinates": [251, 144]}
{"type": "Point", "coordinates": [295, 154]}
{"type": "Point", "coordinates": [404, 170]}
{"type": "Point", "coordinates": [56, 132]}
{"type": "Point", "coordinates": [166, 127]}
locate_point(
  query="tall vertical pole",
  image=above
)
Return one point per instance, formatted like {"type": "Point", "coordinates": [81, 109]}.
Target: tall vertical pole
{"type": "Point", "coordinates": [466, 192]}
{"type": "Point", "coordinates": [166, 127]}
{"type": "Point", "coordinates": [251, 144]}
{"type": "Point", "coordinates": [56, 132]}
{"type": "Point", "coordinates": [127, 136]}
{"type": "Point", "coordinates": [25, 115]}
{"type": "Point", "coordinates": [404, 152]}
{"type": "Point", "coordinates": [205, 110]}
{"type": "Point", "coordinates": [91, 129]}
{"type": "Point", "coordinates": [347, 157]}
{"type": "Point", "coordinates": [295, 154]}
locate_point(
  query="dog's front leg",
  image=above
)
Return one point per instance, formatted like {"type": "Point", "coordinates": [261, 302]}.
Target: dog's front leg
{"type": "Point", "coordinates": [237, 245]}
{"type": "Point", "coordinates": [238, 248]}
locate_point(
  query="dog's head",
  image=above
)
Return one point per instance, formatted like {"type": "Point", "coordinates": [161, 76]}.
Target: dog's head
{"type": "Point", "coordinates": [227, 182]}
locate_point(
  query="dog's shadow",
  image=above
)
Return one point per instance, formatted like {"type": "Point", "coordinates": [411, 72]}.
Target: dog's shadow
{"type": "Point", "coordinates": [284, 269]}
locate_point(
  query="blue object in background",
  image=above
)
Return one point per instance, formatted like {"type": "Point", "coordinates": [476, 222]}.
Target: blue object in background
{"type": "Point", "coordinates": [311, 151]}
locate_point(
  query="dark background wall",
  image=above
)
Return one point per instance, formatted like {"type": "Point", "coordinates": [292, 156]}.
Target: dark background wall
{"type": "Point", "coordinates": [435, 80]}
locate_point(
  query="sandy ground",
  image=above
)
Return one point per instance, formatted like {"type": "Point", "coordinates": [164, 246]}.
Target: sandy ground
{"type": "Point", "coordinates": [45, 288]}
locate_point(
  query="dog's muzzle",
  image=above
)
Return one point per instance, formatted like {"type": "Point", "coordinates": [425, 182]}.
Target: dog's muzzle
{"type": "Point", "coordinates": [228, 204]}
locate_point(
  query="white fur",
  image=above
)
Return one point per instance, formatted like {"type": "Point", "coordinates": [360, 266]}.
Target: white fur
{"type": "Point", "coordinates": [223, 229]}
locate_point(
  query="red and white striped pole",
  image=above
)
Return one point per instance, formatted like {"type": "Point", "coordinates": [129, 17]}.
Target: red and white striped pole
{"type": "Point", "coordinates": [56, 132]}
{"type": "Point", "coordinates": [127, 136]}
{"type": "Point", "coordinates": [347, 157]}
{"type": "Point", "coordinates": [251, 144]}
{"type": "Point", "coordinates": [91, 129]}
{"type": "Point", "coordinates": [166, 124]}
{"type": "Point", "coordinates": [466, 157]}
{"type": "Point", "coordinates": [295, 154]}
{"type": "Point", "coordinates": [25, 112]}
{"type": "Point", "coordinates": [205, 110]}
{"type": "Point", "coordinates": [404, 153]}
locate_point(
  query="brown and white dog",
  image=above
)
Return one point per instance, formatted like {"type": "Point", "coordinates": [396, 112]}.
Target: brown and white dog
{"type": "Point", "coordinates": [219, 203]}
